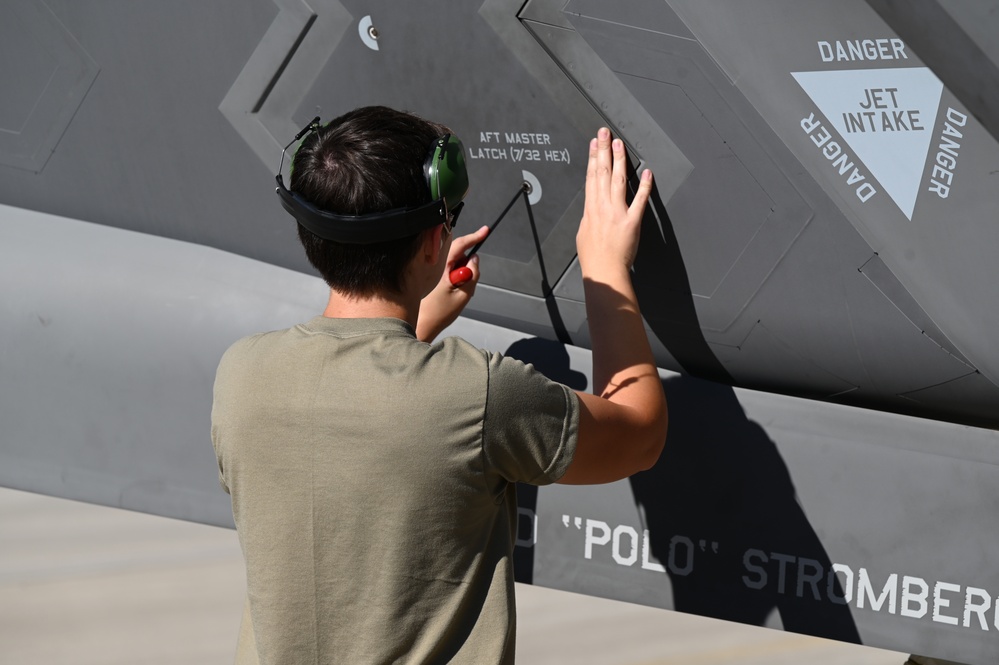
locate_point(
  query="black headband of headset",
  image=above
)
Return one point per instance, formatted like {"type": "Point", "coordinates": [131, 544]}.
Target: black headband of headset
{"type": "Point", "coordinates": [362, 229]}
{"type": "Point", "coordinates": [381, 226]}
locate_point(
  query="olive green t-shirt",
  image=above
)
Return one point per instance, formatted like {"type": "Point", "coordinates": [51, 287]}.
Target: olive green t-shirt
{"type": "Point", "coordinates": [372, 482]}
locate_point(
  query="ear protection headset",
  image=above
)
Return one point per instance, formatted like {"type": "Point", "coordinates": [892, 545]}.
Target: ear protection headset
{"type": "Point", "coordinates": [447, 181]}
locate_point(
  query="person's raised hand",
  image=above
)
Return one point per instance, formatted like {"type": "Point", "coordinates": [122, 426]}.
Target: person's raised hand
{"type": "Point", "coordinates": [609, 230]}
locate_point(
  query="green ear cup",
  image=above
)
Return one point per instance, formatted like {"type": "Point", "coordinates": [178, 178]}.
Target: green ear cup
{"type": "Point", "coordinates": [446, 172]}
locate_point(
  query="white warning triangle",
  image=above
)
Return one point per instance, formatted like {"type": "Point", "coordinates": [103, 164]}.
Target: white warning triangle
{"type": "Point", "coordinates": [887, 116]}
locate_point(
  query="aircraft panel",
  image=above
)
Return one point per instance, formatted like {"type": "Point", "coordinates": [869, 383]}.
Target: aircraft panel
{"type": "Point", "coordinates": [656, 19]}
{"type": "Point", "coordinates": [831, 346]}
{"type": "Point", "coordinates": [960, 48]}
{"type": "Point", "coordinates": [901, 141]}
{"type": "Point", "coordinates": [713, 269]}
{"type": "Point", "coordinates": [45, 75]}
{"type": "Point", "coordinates": [750, 228]}
{"type": "Point", "coordinates": [761, 265]}
{"type": "Point", "coordinates": [881, 277]}
{"type": "Point", "coordinates": [518, 136]}
{"type": "Point", "coordinates": [147, 148]}
{"type": "Point", "coordinates": [109, 355]}
{"type": "Point", "coordinates": [823, 519]}
{"type": "Point", "coordinates": [980, 20]}
{"type": "Point", "coordinates": [781, 529]}
{"type": "Point", "coordinates": [968, 394]}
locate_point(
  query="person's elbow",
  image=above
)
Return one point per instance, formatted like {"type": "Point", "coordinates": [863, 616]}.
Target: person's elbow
{"type": "Point", "coordinates": [653, 438]}
{"type": "Point", "coordinates": [616, 441]}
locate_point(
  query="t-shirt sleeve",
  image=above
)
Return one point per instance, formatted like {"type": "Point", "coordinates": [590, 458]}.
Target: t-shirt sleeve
{"type": "Point", "coordinates": [531, 423]}
{"type": "Point", "coordinates": [222, 406]}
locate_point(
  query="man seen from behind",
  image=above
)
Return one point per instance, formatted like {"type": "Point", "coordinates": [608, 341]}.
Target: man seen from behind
{"type": "Point", "coordinates": [372, 470]}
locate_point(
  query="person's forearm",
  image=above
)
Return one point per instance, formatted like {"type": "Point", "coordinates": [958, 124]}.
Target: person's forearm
{"type": "Point", "coordinates": [624, 369]}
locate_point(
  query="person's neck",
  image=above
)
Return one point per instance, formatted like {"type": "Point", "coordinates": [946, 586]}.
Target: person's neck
{"type": "Point", "coordinates": [396, 306]}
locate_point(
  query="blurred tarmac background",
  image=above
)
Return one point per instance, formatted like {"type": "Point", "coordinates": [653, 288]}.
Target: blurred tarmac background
{"type": "Point", "coordinates": [89, 585]}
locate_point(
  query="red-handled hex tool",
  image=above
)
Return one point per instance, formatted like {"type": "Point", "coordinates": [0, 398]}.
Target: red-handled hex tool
{"type": "Point", "coordinates": [461, 273]}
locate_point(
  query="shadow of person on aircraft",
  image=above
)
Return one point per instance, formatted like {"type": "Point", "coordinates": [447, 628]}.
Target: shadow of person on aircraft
{"type": "Point", "coordinates": [665, 295]}
{"type": "Point", "coordinates": [726, 526]}
{"type": "Point", "coordinates": [551, 359]}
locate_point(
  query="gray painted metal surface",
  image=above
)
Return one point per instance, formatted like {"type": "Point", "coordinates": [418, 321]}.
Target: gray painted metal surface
{"type": "Point", "coordinates": [823, 227]}
{"type": "Point", "coordinates": [761, 266]}
{"type": "Point", "coordinates": [769, 510]}
{"type": "Point", "coordinates": [110, 342]}
{"type": "Point", "coordinates": [905, 135]}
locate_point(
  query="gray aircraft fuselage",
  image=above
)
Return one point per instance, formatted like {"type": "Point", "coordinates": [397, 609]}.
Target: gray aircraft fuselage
{"type": "Point", "coordinates": [817, 269]}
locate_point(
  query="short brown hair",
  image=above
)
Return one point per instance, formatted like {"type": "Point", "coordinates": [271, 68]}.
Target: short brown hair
{"type": "Point", "coordinates": [366, 161]}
